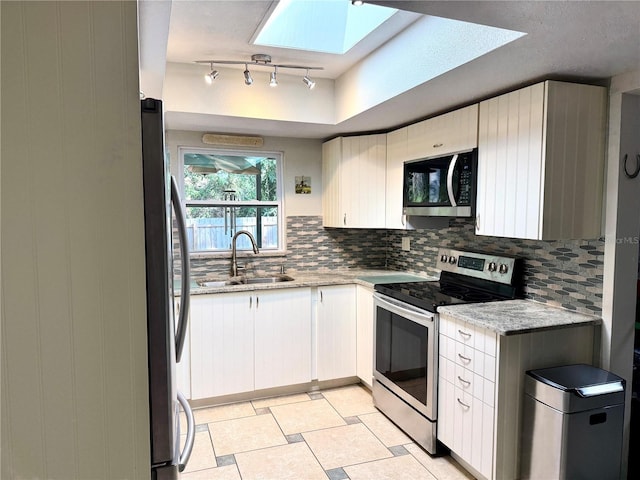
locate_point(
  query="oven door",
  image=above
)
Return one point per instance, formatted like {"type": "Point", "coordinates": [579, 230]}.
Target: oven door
{"type": "Point", "coordinates": [406, 353]}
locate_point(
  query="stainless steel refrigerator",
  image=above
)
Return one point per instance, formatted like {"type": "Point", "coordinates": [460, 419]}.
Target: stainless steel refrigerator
{"type": "Point", "coordinates": [166, 328]}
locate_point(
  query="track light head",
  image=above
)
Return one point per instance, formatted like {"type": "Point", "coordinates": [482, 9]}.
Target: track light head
{"type": "Point", "coordinates": [357, 3]}
{"type": "Point", "coordinates": [211, 76]}
{"type": "Point", "coordinates": [274, 81]}
{"type": "Point", "coordinates": [247, 75]}
{"type": "Point", "coordinates": [308, 82]}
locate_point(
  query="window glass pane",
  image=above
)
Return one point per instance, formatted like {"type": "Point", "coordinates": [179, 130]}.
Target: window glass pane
{"type": "Point", "coordinates": [229, 177]}
{"type": "Point", "coordinates": [212, 228]}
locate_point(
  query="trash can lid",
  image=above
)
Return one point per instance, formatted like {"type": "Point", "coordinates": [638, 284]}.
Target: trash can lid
{"type": "Point", "coordinates": [585, 380]}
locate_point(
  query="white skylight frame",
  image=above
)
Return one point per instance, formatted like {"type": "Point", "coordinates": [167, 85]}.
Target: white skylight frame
{"type": "Point", "coordinates": [302, 25]}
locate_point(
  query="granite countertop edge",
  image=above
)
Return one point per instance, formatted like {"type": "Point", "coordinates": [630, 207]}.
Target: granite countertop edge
{"type": "Point", "coordinates": [362, 277]}
{"type": "Point", "coordinates": [515, 317]}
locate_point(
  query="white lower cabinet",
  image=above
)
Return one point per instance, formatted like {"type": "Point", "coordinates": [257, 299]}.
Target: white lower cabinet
{"type": "Point", "coordinates": [283, 338]}
{"type": "Point", "coordinates": [336, 327]}
{"type": "Point", "coordinates": [480, 388]}
{"type": "Point", "coordinates": [364, 334]}
{"type": "Point", "coordinates": [222, 348]}
{"type": "Point", "coordinates": [246, 341]}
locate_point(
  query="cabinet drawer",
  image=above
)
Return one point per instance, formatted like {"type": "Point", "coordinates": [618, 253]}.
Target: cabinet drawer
{"type": "Point", "coordinates": [479, 387]}
{"type": "Point", "coordinates": [476, 361]}
{"type": "Point", "coordinates": [477, 337]}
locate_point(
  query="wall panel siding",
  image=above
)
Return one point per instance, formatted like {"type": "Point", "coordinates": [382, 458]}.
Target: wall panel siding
{"type": "Point", "coordinates": [74, 370]}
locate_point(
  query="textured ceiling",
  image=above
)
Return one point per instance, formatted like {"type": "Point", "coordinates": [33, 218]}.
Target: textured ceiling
{"type": "Point", "coordinates": [574, 40]}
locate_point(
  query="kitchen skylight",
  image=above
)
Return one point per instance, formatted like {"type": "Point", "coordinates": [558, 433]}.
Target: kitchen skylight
{"type": "Point", "coordinates": [329, 26]}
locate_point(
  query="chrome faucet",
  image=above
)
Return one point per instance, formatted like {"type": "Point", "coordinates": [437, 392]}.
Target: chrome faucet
{"type": "Point", "coordinates": [234, 263]}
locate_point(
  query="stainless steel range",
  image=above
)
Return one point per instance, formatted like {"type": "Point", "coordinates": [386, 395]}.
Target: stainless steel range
{"type": "Point", "coordinates": [406, 334]}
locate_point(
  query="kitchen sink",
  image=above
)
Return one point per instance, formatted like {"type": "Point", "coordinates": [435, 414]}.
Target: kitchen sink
{"type": "Point", "coordinates": [218, 283]}
{"type": "Point", "coordinates": [275, 279]}
{"type": "Point", "coordinates": [244, 281]}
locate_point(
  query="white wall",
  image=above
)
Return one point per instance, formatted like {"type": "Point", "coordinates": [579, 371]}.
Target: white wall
{"type": "Point", "coordinates": [622, 229]}
{"type": "Point", "coordinates": [74, 371]}
{"type": "Point", "coordinates": [302, 157]}
{"type": "Point", "coordinates": [186, 91]}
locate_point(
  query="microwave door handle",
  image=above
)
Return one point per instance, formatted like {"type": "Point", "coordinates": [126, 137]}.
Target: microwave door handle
{"type": "Point", "coordinates": [452, 168]}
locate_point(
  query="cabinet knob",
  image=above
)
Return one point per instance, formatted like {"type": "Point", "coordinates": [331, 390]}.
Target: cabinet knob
{"type": "Point", "coordinates": [344, 220]}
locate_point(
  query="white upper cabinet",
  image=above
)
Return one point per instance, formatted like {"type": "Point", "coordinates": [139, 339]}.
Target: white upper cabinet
{"type": "Point", "coordinates": [541, 162]}
{"type": "Point", "coordinates": [331, 156]}
{"type": "Point", "coordinates": [397, 154]}
{"type": "Point", "coordinates": [448, 133]}
{"type": "Point", "coordinates": [353, 181]}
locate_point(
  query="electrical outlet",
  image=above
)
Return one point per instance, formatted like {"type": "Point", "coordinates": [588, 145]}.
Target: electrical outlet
{"type": "Point", "coordinates": [406, 244]}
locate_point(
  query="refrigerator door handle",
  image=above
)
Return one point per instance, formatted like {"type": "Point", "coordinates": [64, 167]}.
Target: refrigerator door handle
{"type": "Point", "coordinates": [185, 287]}
{"type": "Point", "coordinates": [191, 432]}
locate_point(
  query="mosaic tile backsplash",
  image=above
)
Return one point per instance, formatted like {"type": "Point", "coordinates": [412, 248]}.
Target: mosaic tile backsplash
{"type": "Point", "coordinates": [566, 273]}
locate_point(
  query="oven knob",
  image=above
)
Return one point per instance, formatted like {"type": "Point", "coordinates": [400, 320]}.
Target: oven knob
{"type": "Point", "coordinates": [503, 268]}
{"type": "Point", "coordinates": [452, 260]}
{"type": "Point", "coordinates": [492, 266]}
{"type": "Point", "coordinates": [444, 259]}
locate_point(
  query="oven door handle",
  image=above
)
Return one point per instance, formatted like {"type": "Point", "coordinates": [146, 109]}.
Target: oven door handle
{"type": "Point", "coordinates": [420, 316]}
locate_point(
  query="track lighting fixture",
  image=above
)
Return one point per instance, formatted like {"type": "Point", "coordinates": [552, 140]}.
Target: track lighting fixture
{"type": "Point", "coordinates": [247, 75]}
{"type": "Point", "coordinates": [357, 3]}
{"type": "Point", "coordinates": [308, 82]}
{"type": "Point", "coordinates": [210, 77]}
{"type": "Point", "coordinates": [260, 60]}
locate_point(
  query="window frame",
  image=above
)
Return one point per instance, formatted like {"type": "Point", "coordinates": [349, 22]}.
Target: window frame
{"type": "Point", "coordinates": [278, 203]}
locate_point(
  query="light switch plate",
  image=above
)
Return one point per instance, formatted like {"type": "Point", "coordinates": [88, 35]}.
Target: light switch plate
{"type": "Point", "coordinates": [406, 244]}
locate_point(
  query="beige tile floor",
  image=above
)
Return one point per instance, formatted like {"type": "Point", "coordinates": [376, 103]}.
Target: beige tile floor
{"type": "Point", "coordinates": [333, 434]}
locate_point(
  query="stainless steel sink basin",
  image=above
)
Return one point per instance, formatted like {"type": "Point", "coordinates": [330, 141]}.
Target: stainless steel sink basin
{"type": "Point", "coordinates": [218, 283]}
{"type": "Point", "coordinates": [244, 281]}
{"type": "Point", "coordinates": [275, 279]}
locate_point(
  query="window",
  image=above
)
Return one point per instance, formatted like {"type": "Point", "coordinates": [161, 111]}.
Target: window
{"type": "Point", "coordinates": [229, 191]}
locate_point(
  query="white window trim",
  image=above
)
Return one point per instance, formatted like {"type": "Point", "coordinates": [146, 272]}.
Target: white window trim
{"type": "Point", "coordinates": [279, 156]}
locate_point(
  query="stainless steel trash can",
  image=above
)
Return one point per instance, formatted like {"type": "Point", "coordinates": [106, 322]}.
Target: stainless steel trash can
{"type": "Point", "coordinates": [572, 423]}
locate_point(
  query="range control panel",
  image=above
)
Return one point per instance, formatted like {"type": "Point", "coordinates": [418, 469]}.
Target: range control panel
{"type": "Point", "coordinates": [479, 265]}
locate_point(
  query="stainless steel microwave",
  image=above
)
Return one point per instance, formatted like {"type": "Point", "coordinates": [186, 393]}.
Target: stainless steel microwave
{"type": "Point", "coordinates": [441, 186]}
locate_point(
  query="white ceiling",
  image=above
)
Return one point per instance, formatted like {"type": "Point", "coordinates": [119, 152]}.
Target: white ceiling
{"type": "Point", "coordinates": [574, 40]}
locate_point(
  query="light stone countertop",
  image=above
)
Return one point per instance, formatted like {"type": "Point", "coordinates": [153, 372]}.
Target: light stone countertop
{"type": "Point", "coordinates": [512, 317]}
{"type": "Point", "coordinates": [363, 277]}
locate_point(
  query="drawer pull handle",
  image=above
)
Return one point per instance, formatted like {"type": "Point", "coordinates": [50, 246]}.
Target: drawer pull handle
{"type": "Point", "coordinates": [464, 334]}
{"type": "Point", "coordinates": [464, 404]}
{"type": "Point", "coordinates": [462, 380]}
{"type": "Point", "coordinates": [464, 359]}
{"type": "Point", "coordinates": [437, 145]}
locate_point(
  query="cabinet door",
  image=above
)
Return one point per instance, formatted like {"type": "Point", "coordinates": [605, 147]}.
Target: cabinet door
{"type": "Point", "coordinates": [396, 156]}
{"type": "Point", "coordinates": [221, 344]}
{"type": "Point", "coordinates": [363, 181]}
{"type": "Point", "coordinates": [282, 337]}
{"type": "Point", "coordinates": [336, 357]}
{"type": "Point", "coordinates": [448, 133]}
{"type": "Point", "coordinates": [332, 211]}
{"type": "Point", "coordinates": [510, 164]}
{"type": "Point", "coordinates": [364, 334]}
